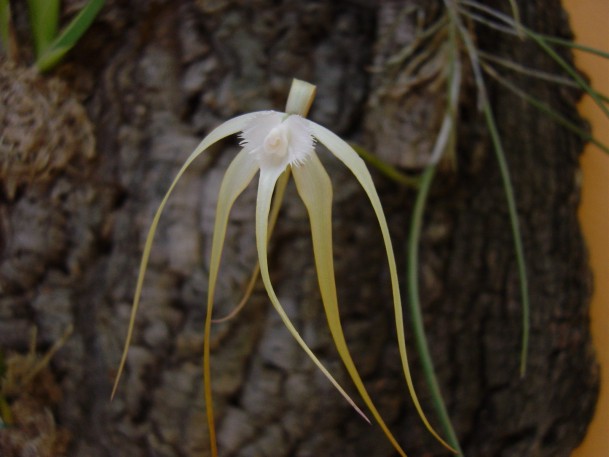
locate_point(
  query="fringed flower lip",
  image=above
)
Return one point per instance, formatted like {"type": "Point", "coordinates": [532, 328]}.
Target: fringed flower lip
{"type": "Point", "coordinates": [274, 143]}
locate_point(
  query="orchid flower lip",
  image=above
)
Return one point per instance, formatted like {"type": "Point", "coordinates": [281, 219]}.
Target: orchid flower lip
{"type": "Point", "coordinates": [278, 139]}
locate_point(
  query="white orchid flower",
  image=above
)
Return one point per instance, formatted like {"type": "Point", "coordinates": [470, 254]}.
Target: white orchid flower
{"type": "Point", "coordinates": [274, 142]}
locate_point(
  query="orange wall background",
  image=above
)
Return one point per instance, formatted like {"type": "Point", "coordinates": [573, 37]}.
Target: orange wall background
{"type": "Point", "coordinates": [590, 23]}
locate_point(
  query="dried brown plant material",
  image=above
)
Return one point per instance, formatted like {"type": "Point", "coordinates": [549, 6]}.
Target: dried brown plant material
{"type": "Point", "coordinates": [43, 127]}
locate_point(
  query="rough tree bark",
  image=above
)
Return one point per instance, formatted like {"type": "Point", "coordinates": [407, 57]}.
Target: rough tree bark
{"type": "Point", "coordinates": [154, 78]}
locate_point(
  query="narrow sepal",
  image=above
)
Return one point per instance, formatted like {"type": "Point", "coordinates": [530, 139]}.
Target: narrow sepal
{"type": "Point", "coordinates": [268, 178]}
{"type": "Point", "coordinates": [349, 157]}
{"type": "Point", "coordinates": [228, 128]}
{"type": "Point", "coordinates": [280, 188]}
{"type": "Point", "coordinates": [315, 189]}
{"type": "Point", "coordinates": [238, 175]}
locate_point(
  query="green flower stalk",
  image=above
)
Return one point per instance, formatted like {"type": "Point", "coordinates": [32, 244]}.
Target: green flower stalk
{"type": "Point", "coordinates": [272, 144]}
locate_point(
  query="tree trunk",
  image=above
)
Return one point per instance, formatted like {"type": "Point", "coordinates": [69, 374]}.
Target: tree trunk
{"type": "Point", "coordinates": [154, 78]}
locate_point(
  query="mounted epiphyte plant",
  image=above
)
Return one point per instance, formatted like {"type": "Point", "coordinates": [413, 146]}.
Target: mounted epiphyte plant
{"type": "Point", "coordinates": [459, 16]}
{"type": "Point", "coordinates": [45, 125]}
{"type": "Point", "coordinates": [50, 43]}
{"type": "Point", "coordinates": [275, 144]}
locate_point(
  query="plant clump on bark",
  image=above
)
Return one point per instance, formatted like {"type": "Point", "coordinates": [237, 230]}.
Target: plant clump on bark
{"type": "Point", "coordinates": [44, 127]}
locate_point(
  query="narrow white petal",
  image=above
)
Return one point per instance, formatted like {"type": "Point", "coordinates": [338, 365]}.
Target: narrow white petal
{"type": "Point", "coordinates": [279, 193]}
{"type": "Point", "coordinates": [268, 178]}
{"type": "Point", "coordinates": [315, 189]}
{"type": "Point", "coordinates": [349, 157]}
{"type": "Point", "coordinates": [228, 128]}
{"type": "Point", "coordinates": [238, 175]}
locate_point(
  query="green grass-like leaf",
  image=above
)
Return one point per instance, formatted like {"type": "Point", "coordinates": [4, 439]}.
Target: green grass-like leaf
{"type": "Point", "coordinates": [445, 144]}
{"type": "Point", "coordinates": [44, 22]}
{"type": "Point", "coordinates": [544, 108]}
{"type": "Point", "coordinates": [51, 54]}
{"type": "Point", "coordinates": [574, 45]}
{"type": "Point", "coordinates": [415, 308]}
{"type": "Point", "coordinates": [569, 69]}
{"type": "Point", "coordinates": [385, 168]}
{"type": "Point", "coordinates": [489, 117]}
{"type": "Point", "coordinates": [5, 22]}
{"type": "Point", "coordinates": [542, 41]}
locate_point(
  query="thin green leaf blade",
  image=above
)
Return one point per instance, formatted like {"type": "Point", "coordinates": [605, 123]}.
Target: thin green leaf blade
{"type": "Point", "coordinates": [5, 21]}
{"type": "Point", "coordinates": [540, 39]}
{"type": "Point", "coordinates": [504, 171]}
{"type": "Point", "coordinates": [548, 110]}
{"type": "Point", "coordinates": [572, 72]}
{"type": "Point", "coordinates": [415, 307]}
{"type": "Point", "coordinates": [574, 45]}
{"type": "Point", "coordinates": [516, 232]}
{"type": "Point", "coordinates": [44, 21]}
{"type": "Point", "coordinates": [385, 168]}
{"type": "Point", "coordinates": [445, 145]}
{"type": "Point", "coordinates": [69, 36]}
